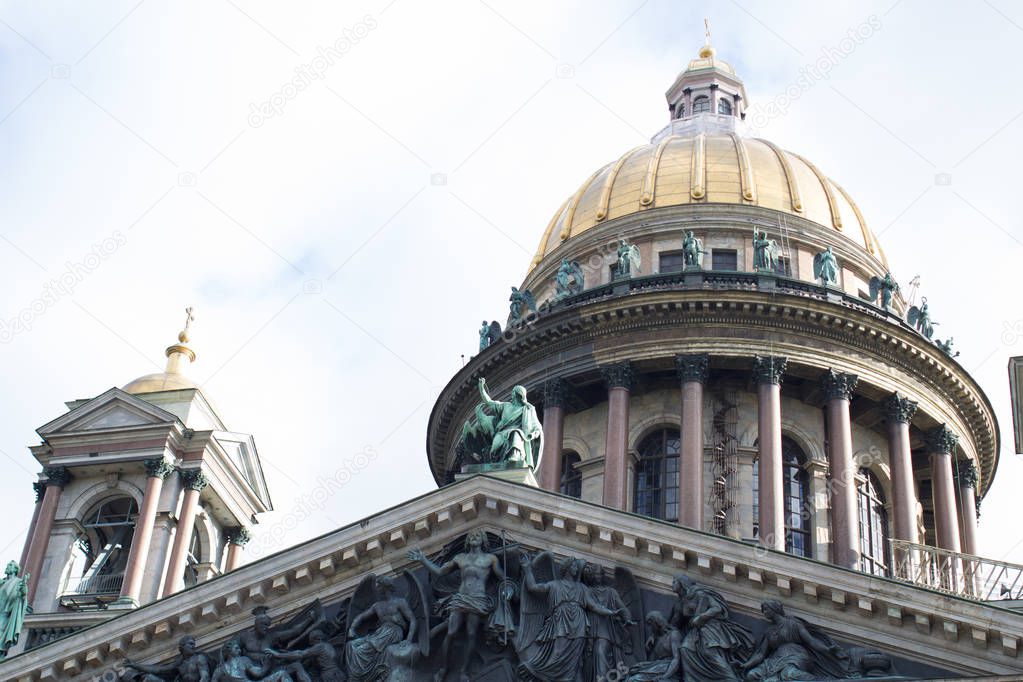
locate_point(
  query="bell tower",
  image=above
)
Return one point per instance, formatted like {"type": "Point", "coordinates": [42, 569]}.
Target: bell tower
{"type": "Point", "coordinates": [144, 491]}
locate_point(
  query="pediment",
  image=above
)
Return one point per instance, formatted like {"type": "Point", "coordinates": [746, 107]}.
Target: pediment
{"type": "Point", "coordinates": [922, 630]}
{"type": "Point", "coordinates": [111, 410]}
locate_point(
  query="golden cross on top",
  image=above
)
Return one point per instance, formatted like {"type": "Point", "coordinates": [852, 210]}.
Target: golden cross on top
{"type": "Point", "coordinates": [189, 317]}
{"type": "Point", "coordinates": [706, 26]}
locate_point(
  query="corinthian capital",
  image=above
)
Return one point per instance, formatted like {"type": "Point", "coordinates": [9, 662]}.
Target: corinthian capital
{"type": "Point", "coordinates": [692, 367]}
{"type": "Point", "coordinates": [839, 385]}
{"type": "Point", "coordinates": [941, 440]}
{"type": "Point", "coordinates": [619, 375]}
{"type": "Point", "coordinates": [899, 409]}
{"type": "Point", "coordinates": [768, 369]}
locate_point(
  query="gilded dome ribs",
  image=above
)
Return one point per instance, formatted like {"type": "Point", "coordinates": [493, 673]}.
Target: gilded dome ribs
{"type": "Point", "coordinates": [566, 227]}
{"type": "Point", "coordinates": [836, 217]}
{"type": "Point", "coordinates": [646, 197]}
{"type": "Point", "coordinates": [795, 197]}
{"type": "Point", "coordinates": [698, 175]}
{"type": "Point", "coordinates": [609, 181]}
{"type": "Point", "coordinates": [749, 186]}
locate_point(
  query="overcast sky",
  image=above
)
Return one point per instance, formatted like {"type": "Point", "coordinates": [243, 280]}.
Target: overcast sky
{"type": "Point", "coordinates": [341, 242]}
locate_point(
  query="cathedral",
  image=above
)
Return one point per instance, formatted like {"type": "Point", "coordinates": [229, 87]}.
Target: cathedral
{"type": "Point", "coordinates": [713, 440]}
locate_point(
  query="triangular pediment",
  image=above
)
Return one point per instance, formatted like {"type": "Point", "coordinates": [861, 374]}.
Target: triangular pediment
{"type": "Point", "coordinates": [114, 409]}
{"type": "Point", "coordinates": [921, 629]}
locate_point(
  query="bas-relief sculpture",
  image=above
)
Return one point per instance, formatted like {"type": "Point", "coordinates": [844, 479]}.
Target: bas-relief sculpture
{"type": "Point", "coordinates": [502, 434]}
{"type": "Point", "coordinates": [502, 614]}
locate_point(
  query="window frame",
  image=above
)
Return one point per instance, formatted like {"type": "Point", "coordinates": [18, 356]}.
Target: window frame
{"type": "Point", "coordinates": [659, 500]}
{"type": "Point", "coordinates": [875, 531]}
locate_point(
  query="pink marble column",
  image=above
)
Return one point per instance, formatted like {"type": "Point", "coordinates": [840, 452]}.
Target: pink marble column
{"type": "Point", "coordinates": [619, 379]}
{"type": "Point", "coordinates": [553, 434]}
{"type": "Point", "coordinates": [156, 471]}
{"type": "Point", "coordinates": [845, 542]}
{"type": "Point", "coordinates": [899, 413]}
{"type": "Point", "coordinates": [940, 443]}
{"type": "Point", "coordinates": [692, 371]}
{"type": "Point", "coordinates": [39, 489]}
{"type": "Point", "coordinates": [56, 479]}
{"type": "Point", "coordinates": [965, 472]}
{"type": "Point", "coordinates": [768, 372]}
{"type": "Point", "coordinates": [194, 481]}
{"type": "Point", "coordinates": [237, 538]}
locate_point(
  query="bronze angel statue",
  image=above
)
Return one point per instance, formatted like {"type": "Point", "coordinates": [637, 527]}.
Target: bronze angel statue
{"type": "Point", "coordinates": [378, 620]}
{"type": "Point", "coordinates": [920, 319]}
{"type": "Point", "coordinates": [520, 301]}
{"type": "Point", "coordinates": [886, 286]}
{"type": "Point", "coordinates": [629, 260]}
{"type": "Point", "coordinates": [825, 267]}
{"type": "Point", "coordinates": [765, 252]}
{"type": "Point", "coordinates": [569, 279]}
{"type": "Point", "coordinates": [489, 334]}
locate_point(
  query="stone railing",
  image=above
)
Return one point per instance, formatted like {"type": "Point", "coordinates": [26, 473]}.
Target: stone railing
{"type": "Point", "coordinates": [963, 575]}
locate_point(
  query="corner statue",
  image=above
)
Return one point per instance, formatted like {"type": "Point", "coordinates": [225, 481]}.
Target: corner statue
{"type": "Point", "coordinates": [504, 433]}
{"type": "Point", "coordinates": [13, 606]}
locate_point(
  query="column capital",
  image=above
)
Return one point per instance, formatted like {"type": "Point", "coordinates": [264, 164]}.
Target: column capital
{"type": "Point", "coordinates": [769, 369]}
{"type": "Point", "coordinates": [58, 476]}
{"type": "Point", "coordinates": [619, 375]}
{"type": "Point", "coordinates": [965, 472]}
{"type": "Point", "coordinates": [40, 489]}
{"type": "Point", "coordinates": [193, 479]}
{"type": "Point", "coordinates": [158, 468]}
{"type": "Point", "coordinates": [898, 408]}
{"type": "Point", "coordinates": [941, 440]}
{"type": "Point", "coordinates": [693, 367]}
{"type": "Point", "coordinates": [555, 392]}
{"type": "Point", "coordinates": [839, 385]}
{"type": "Point", "coordinates": [238, 536]}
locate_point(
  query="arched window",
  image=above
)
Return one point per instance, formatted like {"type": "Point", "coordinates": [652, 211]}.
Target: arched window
{"type": "Point", "coordinates": [795, 497]}
{"type": "Point", "coordinates": [724, 107]}
{"type": "Point", "coordinates": [701, 104]}
{"type": "Point", "coordinates": [571, 477]}
{"type": "Point", "coordinates": [193, 559]}
{"type": "Point", "coordinates": [680, 110]}
{"type": "Point", "coordinates": [657, 475]}
{"type": "Point", "coordinates": [100, 554]}
{"type": "Point", "coordinates": [873, 525]}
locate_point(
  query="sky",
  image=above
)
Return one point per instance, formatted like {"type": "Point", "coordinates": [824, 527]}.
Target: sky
{"type": "Point", "coordinates": [341, 240]}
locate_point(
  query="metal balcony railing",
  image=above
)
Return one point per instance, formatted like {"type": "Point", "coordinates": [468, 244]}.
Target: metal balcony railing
{"type": "Point", "coordinates": [962, 575]}
{"type": "Point", "coordinates": [104, 584]}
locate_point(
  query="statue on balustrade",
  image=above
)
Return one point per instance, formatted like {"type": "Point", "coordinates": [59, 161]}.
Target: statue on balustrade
{"type": "Point", "coordinates": [473, 605]}
{"type": "Point", "coordinates": [569, 280]}
{"type": "Point", "coordinates": [629, 261]}
{"type": "Point", "coordinates": [825, 268]}
{"type": "Point", "coordinates": [553, 626]}
{"type": "Point", "coordinates": [713, 646]}
{"type": "Point", "coordinates": [692, 252]}
{"type": "Point", "coordinates": [190, 665]}
{"type": "Point", "coordinates": [489, 334]}
{"type": "Point", "coordinates": [612, 639]}
{"type": "Point", "coordinates": [793, 649]}
{"type": "Point", "coordinates": [886, 286]}
{"type": "Point", "coordinates": [320, 656]}
{"type": "Point", "coordinates": [946, 347]}
{"type": "Point", "coordinates": [663, 652]}
{"type": "Point", "coordinates": [264, 637]}
{"type": "Point", "coordinates": [765, 252]}
{"type": "Point", "coordinates": [506, 433]}
{"type": "Point", "coordinates": [920, 319]}
{"type": "Point", "coordinates": [235, 666]}
{"type": "Point", "coordinates": [13, 607]}
{"type": "Point", "coordinates": [520, 302]}
{"type": "Point", "coordinates": [378, 620]}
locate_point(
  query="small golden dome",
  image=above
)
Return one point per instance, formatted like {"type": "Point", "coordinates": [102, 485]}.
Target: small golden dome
{"type": "Point", "coordinates": [173, 377]}
{"type": "Point", "coordinates": [707, 52]}
{"type": "Point", "coordinates": [708, 168]}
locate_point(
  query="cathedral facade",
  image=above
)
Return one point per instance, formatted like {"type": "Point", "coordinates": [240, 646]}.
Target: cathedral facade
{"type": "Point", "coordinates": [713, 440]}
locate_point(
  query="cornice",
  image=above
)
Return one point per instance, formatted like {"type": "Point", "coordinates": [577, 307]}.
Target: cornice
{"type": "Point", "coordinates": [965, 636]}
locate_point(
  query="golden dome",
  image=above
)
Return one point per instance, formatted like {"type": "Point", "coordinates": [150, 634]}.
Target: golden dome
{"type": "Point", "coordinates": [708, 168]}
{"type": "Point", "coordinates": [160, 381]}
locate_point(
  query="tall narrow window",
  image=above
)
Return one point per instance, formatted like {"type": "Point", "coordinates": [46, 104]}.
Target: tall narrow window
{"type": "Point", "coordinates": [657, 475]}
{"type": "Point", "coordinates": [701, 104]}
{"type": "Point", "coordinates": [873, 525]}
{"type": "Point", "coordinates": [571, 477]}
{"type": "Point", "coordinates": [724, 107]}
{"type": "Point", "coordinates": [795, 498]}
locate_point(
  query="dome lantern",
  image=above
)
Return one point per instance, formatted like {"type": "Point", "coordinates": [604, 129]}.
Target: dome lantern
{"type": "Point", "coordinates": [709, 90]}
